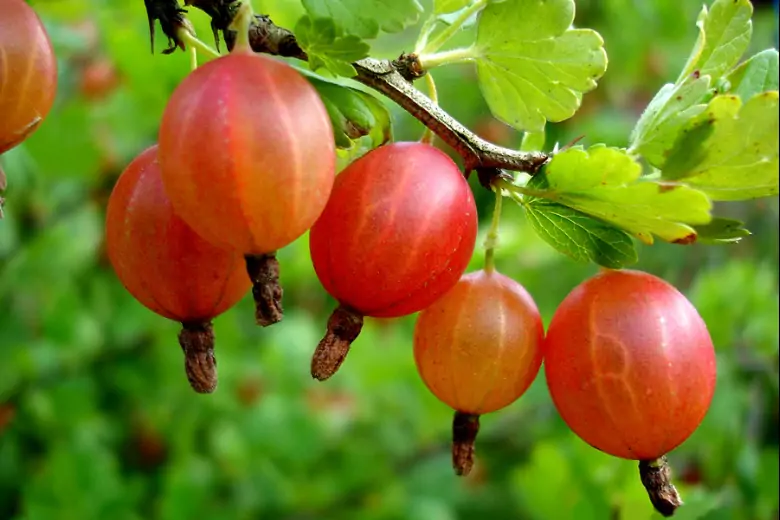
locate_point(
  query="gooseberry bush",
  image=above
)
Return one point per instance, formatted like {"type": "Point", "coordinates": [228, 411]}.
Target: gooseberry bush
{"type": "Point", "coordinates": [278, 133]}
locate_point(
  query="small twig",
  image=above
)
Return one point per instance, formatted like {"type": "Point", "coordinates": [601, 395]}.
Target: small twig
{"type": "Point", "coordinates": [476, 152]}
{"type": "Point", "coordinates": [381, 75]}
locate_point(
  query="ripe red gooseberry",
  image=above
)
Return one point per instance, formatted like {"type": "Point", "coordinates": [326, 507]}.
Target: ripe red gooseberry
{"type": "Point", "coordinates": [630, 365]}
{"type": "Point", "coordinates": [478, 348]}
{"type": "Point", "coordinates": [248, 159]}
{"type": "Point", "coordinates": [397, 233]}
{"type": "Point", "coordinates": [28, 73]}
{"type": "Point", "coordinates": [99, 78]}
{"type": "Point", "coordinates": [168, 268]}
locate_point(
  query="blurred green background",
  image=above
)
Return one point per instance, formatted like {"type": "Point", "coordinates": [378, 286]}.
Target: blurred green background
{"type": "Point", "coordinates": [97, 420]}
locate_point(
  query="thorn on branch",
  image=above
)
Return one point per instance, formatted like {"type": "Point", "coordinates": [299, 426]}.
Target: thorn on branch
{"type": "Point", "coordinates": [221, 13]}
{"type": "Point", "coordinates": [172, 18]}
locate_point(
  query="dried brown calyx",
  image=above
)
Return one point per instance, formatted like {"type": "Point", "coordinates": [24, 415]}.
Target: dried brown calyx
{"type": "Point", "coordinates": [197, 342]}
{"type": "Point", "coordinates": [465, 427]}
{"type": "Point", "coordinates": [344, 326]}
{"type": "Point", "coordinates": [267, 291]}
{"type": "Point", "coordinates": [656, 476]}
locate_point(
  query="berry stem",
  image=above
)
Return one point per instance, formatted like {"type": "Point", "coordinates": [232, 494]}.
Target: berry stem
{"type": "Point", "coordinates": [491, 241]}
{"type": "Point", "coordinates": [656, 476]}
{"type": "Point", "coordinates": [428, 135]}
{"type": "Point", "coordinates": [444, 36]}
{"type": "Point", "coordinates": [196, 43]}
{"type": "Point", "coordinates": [193, 58]}
{"type": "Point", "coordinates": [241, 23]}
{"type": "Point", "coordinates": [438, 59]}
{"type": "Point", "coordinates": [200, 365]}
{"type": "Point", "coordinates": [465, 427]}
{"type": "Point", "coordinates": [263, 270]}
{"type": "Point", "coordinates": [344, 326]}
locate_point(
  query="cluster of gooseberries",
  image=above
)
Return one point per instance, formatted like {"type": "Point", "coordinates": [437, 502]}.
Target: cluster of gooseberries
{"type": "Point", "coordinates": [245, 164]}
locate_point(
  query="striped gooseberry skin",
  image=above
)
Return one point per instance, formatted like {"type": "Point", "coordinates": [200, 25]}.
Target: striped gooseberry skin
{"type": "Point", "coordinates": [247, 152]}
{"type": "Point", "coordinates": [479, 347]}
{"type": "Point", "coordinates": [159, 259]}
{"type": "Point", "coordinates": [28, 73]}
{"type": "Point", "coordinates": [630, 364]}
{"type": "Point", "coordinates": [398, 231]}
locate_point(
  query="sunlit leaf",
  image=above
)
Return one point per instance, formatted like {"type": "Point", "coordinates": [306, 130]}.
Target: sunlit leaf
{"type": "Point", "coordinates": [731, 150]}
{"type": "Point", "coordinates": [756, 75]}
{"type": "Point", "coordinates": [364, 18]}
{"type": "Point", "coordinates": [532, 66]}
{"type": "Point", "coordinates": [577, 235]}
{"type": "Point", "coordinates": [449, 6]}
{"type": "Point", "coordinates": [725, 31]}
{"type": "Point", "coordinates": [605, 183]}
{"type": "Point", "coordinates": [328, 48]}
{"type": "Point", "coordinates": [663, 119]}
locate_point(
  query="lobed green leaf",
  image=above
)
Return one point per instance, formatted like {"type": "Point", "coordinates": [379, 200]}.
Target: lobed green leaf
{"type": "Point", "coordinates": [533, 141]}
{"type": "Point", "coordinates": [354, 113]}
{"type": "Point", "coordinates": [364, 18]}
{"type": "Point", "coordinates": [722, 231]}
{"type": "Point", "coordinates": [756, 75]}
{"type": "Point", "coordinates": [664, 118]}
{"type": "Point", "coordinates": [724, 35]}
{"type": "Point", "coordinates": [328, 48]}
{"type": "Point", "coordinates": [449, 6]}
{"type": "Point", "coordinates": [582, 238]}
{"type": "Point", "coordinates": [731, 150]}
{"type": "Point", "coordinates": [532, 66]}
{"type": "Point", "coordinates": [605, 183]}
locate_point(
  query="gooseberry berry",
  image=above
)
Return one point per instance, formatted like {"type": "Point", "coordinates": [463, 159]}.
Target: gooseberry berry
{"type": "Point", "coordinates": [397, 233]}
{"type": "Point", "coordinates": [28, 73]}
{"type": "Point", "coordinates": [248, 159]}
{"type": "Point", "coordinates": [630, 365]}
{"type": "Point", "coordinates": [167, 267]}
{"type": "Point", "coordinates": [478, 348]}
{"type": "Point", "coordinates": [99, 78]}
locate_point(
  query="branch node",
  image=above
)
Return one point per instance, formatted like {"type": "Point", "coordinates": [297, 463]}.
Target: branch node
{"type": "Point", "coordinates": [409, 67]}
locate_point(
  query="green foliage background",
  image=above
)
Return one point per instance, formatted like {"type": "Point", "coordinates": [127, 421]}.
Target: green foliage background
{"type": "Point", "coordinates": [97, 419]}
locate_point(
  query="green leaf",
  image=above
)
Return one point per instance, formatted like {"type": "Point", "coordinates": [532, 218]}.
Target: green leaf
{"type": "Point", "coordinates": [327, 48]}
{"type": "Point", "coordinates": [722, 231]}
{"type": "Point", "coordinates": [605, 183]}
{"type": "Point", "coordinates": [532, 66]}
{"type": "Point", "coordinates": [664, 118]}
{"type": "Point", "coordinates": [731, 150]}
{"type": "Point", "coordinates": [353, 113]}
{"type": "Point", "coordinates": [756, 75]}
{"type": "Point", "coordinates": [725, 32]}
{"type": "Point", "coordinates": [449, 6]}
{"type": "Point", "coordinates": [533, 141]}
{"type": "Point", "coordinates": [364, 18]}
{"type": "Point", "coordinates": [579, 236]}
